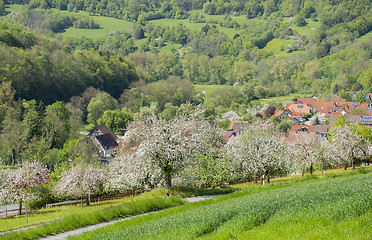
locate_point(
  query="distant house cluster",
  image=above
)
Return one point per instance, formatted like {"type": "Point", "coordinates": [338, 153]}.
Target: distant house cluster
{"type": "Point", "coordinates": [105, 143]}
{"type": "Point", "coordinates": [295, 110]}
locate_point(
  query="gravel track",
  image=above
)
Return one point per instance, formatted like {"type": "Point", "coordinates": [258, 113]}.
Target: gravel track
{"type": "Point", "coordinates": [78, 231]}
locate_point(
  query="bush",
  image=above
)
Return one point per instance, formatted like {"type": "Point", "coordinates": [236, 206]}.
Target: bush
{"type": "Point", "coordinates": [138, 33]}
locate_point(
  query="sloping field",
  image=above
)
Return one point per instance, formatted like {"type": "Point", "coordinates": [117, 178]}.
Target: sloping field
{"type": "Point", "coordinates": [332, 209]}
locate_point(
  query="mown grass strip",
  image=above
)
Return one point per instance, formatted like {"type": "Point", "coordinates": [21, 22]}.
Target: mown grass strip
{"type": "Point", "coordinates": [336, 201]}
{"type": "Point", "coordinates": [75, 221]}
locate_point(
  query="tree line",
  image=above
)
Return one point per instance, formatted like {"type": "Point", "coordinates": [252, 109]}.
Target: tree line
{"type": "Point", "coordinates": [188, 151]}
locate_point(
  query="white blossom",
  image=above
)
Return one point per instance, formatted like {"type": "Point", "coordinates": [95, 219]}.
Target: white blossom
{"type": "Point", "coordinates": [81, 182]}
{"type": "Point", "coordinates": [161, 150]}
{"type": "Point", "coordinates": [303, 150]}
{"type": "Point", "coordinates": [257, 151]}
{"type": "Point", "coordinates": [19, 185]}
{"type": "Point", "coordinates": [347, 146]}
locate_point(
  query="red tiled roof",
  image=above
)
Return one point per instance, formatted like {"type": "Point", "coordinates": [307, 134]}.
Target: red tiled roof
{"type": "Point", "coordinates": [308, 101]}
{"type": "Point", "coordinates": [366, 107]}
{"type": "Point", "coordinates": [299, 127]}
{"type": "Point", "coordinates": [278, 112]}
{"type": "Point", "coordinates": [238, 125]}
{"type": "Point", "coordinates": [295, 107]}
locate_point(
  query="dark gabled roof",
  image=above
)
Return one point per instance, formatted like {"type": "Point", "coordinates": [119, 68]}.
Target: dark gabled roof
{"type": "Point", "coordinates": [107, 141]}
{"type": "Point", "coordinates": [104, 130]}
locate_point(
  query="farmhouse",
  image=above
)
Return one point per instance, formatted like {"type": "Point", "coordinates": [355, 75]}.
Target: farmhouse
{"type": "Point", "coordinates": [103, 141]}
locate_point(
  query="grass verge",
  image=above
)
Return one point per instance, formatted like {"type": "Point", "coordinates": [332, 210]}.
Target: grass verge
{"type": "Point", "coordinates": [74, 221]}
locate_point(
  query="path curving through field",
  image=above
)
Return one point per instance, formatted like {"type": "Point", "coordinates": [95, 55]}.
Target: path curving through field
{"type": "Point", "coordinates": [78, 231]}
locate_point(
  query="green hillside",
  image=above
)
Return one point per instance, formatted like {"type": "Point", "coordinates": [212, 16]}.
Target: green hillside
{"type": "Point", "coordinates": [155, 56]}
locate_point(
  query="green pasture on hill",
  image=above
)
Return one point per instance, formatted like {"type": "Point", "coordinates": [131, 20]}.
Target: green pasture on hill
{"type": "Point", "coordinates": [365, 38]}
{"type": "Point", "coordinates": [230, 32]}
{"type": "Point", "coordinates": [333, 209]}
{"type": "Point", "coordinates": [283, 99]}
{"type": "Point", "coordinates": [109, 25]}
{"type": "Point", "coordinates": [15, 8]}
{"type": "Point", "coordinates": [208, 89]}
{"type": "Point", "coordinates": [304, 30]}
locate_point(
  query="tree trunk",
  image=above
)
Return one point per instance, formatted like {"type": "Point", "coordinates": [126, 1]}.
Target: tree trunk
{"type": "Point", "coordinates": [311, 169]}
{"type": "Point", "coordinates": [13, 157]}
{"type": "Point", "coordinates": [20, 207]}
{"type": "Point", "coordinates": [353, 165]}
{"type": "Point", "coordinates": [168, 181]}
{"type": "Point", "coordinates": [303, 172]}
{"type": "Point", "coordinates": [268, 179]}
{"type": "Point", "coordinates": [345, 167]}
{"type": "Point", "coordinates": [88, 200]}
{"type": "Point", "coordinates": [81, 202]}
{"type": "Point", "coordinates": [26, 213]}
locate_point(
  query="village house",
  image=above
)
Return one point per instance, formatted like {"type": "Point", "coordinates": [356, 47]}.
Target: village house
{"type": "Point", "coordinates": [321, 130]}
{"type": "Point", "coordinates": [354, 119]}
{"type": "Point", "coordinates": [103, 141]}
{"type": "Point", "coordinates": [234, 128]}
{"type": "Point", "coordinates": [289, 115]}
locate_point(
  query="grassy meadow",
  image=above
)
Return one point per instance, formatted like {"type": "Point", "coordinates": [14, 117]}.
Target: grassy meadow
{"type": "Point", "coordinates": [209, 89]}
{"type": "Point", "coordinates": [109, 25]}
{"type": "Point", "coordinates": [73, 218]}
{"type": "Point", "coordinates": [339, 208]}
{"type": "Point", "coordinates": [65, 218]}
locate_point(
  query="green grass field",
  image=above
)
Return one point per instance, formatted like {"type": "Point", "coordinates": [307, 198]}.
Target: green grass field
{"type": "Point", "coordinates": [230, 32]}
{"type": "Point", "coordinates": [73, 218]}
{"type": "Point", "coordinates": [365, 38]}
{"type": "Point", "coordinates": [338, 208]}
{"type": "Point", "coordinates": [110, 25]}
{"type": "Point", "coordinates": [208, 89]}
{"type": "Point", "coordinates": [57, 213]}
{"type": "Point", "coordinates": [283, 99]}
{"type": "Point", "coordinates": [107, 26]}
{"type": "Point", "coordinates": [66, 218]}
{"type": "Point", "coordinates": [16, 8]}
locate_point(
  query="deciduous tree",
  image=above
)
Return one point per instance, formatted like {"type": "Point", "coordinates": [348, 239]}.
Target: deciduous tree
{"type": "Point", "coordinates": [257, 151]}
{"type": "Point", "coordinates": [164, 148]}
{"type": "Point", "coordinates": [20, 184]}
{"type": "Point", "coordinates": [80, 182]}
{"type": "Point", "coordinates": [347, 146]}
{"type": "Point", "coordinates": [303, 150]}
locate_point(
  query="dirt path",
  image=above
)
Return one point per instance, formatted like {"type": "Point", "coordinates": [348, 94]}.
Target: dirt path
{"type": "Point", "coordinates": [65, 235]}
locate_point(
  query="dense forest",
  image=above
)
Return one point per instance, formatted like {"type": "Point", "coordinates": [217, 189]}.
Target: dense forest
{"type": "Point", "coordinates": [52, 85]}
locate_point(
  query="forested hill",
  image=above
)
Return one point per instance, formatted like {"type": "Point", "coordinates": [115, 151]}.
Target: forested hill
{"type": "Point", "coordinates": [54, 49]}
{"type": "Point", "coordinates": [330, 12]}
{"type": "Point", "coordinates": [45, 69]}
